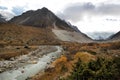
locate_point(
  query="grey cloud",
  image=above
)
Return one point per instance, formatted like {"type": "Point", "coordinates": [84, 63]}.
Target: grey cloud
{"type": "Point", "coordinates": [108, 9]}
{"type": "Point", "coordinates": [6, 15]}
{"type": "Point", "coordinates": [78, 11]}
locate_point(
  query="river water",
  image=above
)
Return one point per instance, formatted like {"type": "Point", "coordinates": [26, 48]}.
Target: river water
{"type": "Point", "coordinates": [30, 70]}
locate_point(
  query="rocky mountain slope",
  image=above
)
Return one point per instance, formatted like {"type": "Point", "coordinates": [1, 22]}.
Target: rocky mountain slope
{"type": "Point", "coordinates": [45, 19]}
{"type": "Point", "coordinates": [115, 37]}
{"type": "Point", "coordinates": [41, 18]}
{"type": "Point", "coordinates": [11, 34]}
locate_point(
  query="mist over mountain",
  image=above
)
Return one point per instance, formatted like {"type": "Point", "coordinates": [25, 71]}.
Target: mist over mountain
{"type": "Point", "coordinates": [6, 15]}
{"type": "Point", "coordinates": [100, 35]}
{"type": "Point", "coordinates": [2, 19]}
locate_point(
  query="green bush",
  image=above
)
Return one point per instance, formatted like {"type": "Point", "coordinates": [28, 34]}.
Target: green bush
{"type": "Point", "coordinates": [101, 69]}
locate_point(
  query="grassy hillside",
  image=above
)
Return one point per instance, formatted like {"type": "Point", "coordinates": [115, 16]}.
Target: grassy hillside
{"type": "Point", "coordinates": [11, 34]}
{"type": "Point", "coordinates": [17, 40]}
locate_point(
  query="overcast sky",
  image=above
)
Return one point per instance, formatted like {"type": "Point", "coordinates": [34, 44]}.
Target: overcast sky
{"type": "Point", "coordinates": [87, 15]}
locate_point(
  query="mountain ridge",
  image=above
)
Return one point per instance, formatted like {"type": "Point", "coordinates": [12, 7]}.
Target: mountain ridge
{"type": "Point", "coordinates": [41, 18]}
{"type": "Point", "coordinates": [45, 19]}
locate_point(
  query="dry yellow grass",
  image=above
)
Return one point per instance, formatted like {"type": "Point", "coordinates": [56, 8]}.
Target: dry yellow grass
{"type": "Point", "coordinates": [60, 68]}
{"type": "Point", "coordinates": [84, 56]}
{"type": "Point", "coordinates": [61, 60]}
{"type": "Point", "coordinates": [13, 51]}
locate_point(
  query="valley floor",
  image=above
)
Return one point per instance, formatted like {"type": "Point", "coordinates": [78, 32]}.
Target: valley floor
{"type": "Point", "coordinates": [50, 62]}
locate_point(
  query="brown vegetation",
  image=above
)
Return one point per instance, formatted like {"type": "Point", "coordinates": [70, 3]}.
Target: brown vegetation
{"type": "Point", "coordinates": [13, 51]}
{"type": "Point", "coordinates": [87, 52]}
{"type": "Point", "coordinates": [84, 56]}
{"type": "Point", "coordinates": [11, 34]}
{"type": "Point", "coordinates": [25, 36]}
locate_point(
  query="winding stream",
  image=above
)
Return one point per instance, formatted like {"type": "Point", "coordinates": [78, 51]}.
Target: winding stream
{"type": "Point", "coordinates": [29, 70]}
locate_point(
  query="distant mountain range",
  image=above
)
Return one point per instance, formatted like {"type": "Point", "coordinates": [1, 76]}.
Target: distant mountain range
{"type": "Point", "coordinates": [100, 35]}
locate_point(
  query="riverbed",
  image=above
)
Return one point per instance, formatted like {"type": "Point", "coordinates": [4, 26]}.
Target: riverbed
{"type": "Point", "coordinates": [33, 64]}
